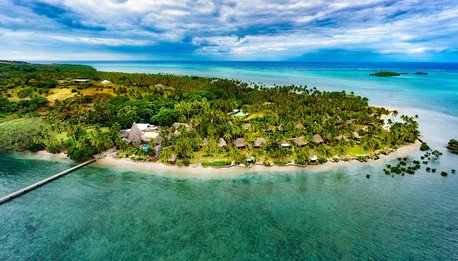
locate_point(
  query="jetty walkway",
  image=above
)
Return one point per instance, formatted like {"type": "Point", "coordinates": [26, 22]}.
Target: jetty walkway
{"type": "Point", "coordinates": [49, 179]}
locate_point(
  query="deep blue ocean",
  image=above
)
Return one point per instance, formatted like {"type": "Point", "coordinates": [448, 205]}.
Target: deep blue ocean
{"type": "Point", "coordinates": [100, 213]}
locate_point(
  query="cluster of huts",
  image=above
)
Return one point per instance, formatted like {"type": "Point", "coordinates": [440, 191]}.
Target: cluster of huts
{"type": "Point", "coordinates": [141, 133]}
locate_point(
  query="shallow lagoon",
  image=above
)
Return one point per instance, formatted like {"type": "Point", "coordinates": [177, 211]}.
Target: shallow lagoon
{"type": "Point", "coordinates": [99, 213]}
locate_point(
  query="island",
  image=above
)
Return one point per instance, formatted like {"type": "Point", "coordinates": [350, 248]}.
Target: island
{"type": "Point", "coordinates": [189, 120]}
{"type": "Point", "coordinates": [385, 74]}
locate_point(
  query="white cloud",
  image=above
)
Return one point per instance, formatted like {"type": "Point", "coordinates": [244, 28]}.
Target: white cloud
{"type": "Point", "coordinates": [238, 27]}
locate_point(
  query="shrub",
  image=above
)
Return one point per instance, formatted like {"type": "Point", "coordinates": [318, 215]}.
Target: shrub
{"type": "Point", "coordinates": [424, 147]}
{"type": "Point", "coordinates": [18, 135]}
{"type": "Point", "coordinates": [280, 163]}
{"type": "Point", "coordinates": [322, 160]}
{"type": "Point", "coordinates": [216, 164]}
{"type": "Point", "coordinates": [186, 161]}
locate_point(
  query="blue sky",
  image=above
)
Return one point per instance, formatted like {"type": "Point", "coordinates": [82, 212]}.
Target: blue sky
{"type": "Point", "coordinates": [294, 30]}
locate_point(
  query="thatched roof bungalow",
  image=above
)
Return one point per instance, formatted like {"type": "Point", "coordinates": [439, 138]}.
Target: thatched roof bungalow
{"type": "Point", "coordinates": [300, 126]}
{"type": "Point", "coordinates": [300, 141]}
{"type": "Point", "coordinates": [317, 138]}
{"type": "Point", "coordinates": [240, 143]}
{"type": "Point", "coordinates": [313, 158]}
{"type": "Point", "coordinates": [259, 142]}
{"type": "Point", "coordinates": [135, 135]}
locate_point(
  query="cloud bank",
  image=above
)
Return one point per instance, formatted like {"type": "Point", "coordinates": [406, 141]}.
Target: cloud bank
{"type": "Point", "coordinates": [228, 30]}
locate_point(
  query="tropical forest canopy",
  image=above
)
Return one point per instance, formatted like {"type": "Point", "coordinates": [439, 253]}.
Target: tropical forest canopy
{"type": "Point", "coordinates": [79, 110]}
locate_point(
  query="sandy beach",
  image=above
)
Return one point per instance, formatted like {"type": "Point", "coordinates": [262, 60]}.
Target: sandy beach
{"type": "Point", "coordinates": [235, 171]}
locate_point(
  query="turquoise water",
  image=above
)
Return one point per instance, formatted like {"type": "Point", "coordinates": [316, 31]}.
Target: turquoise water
{"type": "Point", "coordinates": [103, 214]}
{"type": "Point", "coordinates": [99, 214]}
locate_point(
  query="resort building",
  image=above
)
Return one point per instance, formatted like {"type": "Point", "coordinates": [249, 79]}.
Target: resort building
{"type": "Point", "coordinates": [300, 141]}
{"type": "Point", "coordinates": [140, 132]}
{"type": "Point", "coordinates": [240, 143]}
{"type": "Point", "coordinates": [300, 126]}
{"type": "Point", "coordinates": [259, 142]}
{"type": "Point", "coordinates": [317, 138]}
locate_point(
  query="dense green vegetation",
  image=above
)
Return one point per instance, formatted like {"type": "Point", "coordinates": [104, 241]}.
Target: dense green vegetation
{"type": "Point", "coordinates": [81, 116]}
{"type": "Point", "coordinates": [385, 74]}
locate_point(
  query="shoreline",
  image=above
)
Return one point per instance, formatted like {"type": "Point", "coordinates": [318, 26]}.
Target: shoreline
{"type": "Point", "coordinates": [200, 172]}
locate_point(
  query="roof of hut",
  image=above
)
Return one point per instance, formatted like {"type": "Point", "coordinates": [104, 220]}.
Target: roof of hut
{"type": "Point", "coordinates": [240, 143]}
{"type": "Point", "coordinates": [222, 143]}
{"type": "Point", "coordinates": [300, 126]}
{"type": "Point", "coordinates": [259, 141]}
{"type": "Point", "coordinates": [317, 138]}
{"type": "Point", "coordinates": [300, 141]}
{"type": "Point", "coordinates": [313, 158]}
{"type": "Point", "coordinates": [135, 135]}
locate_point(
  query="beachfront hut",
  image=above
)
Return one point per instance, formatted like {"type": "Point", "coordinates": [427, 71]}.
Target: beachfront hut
{"type": "Point", "coordinates": [300, 141]}
{"type": "Point", "coordinates": [240, 143]}
{"type": "Point", "coordinates": [300, 126]}
{"type": "Point", "coordinates": [313, 158]}
{"type": "Point", "coordinates": [259, 142]}
{"type": "Point", "coordinates": [135, 135]}
{"type": "Point", "coordinates": [317, 138]}
{"type": "Point", "coordinates": [246, 126]}
{"type": "Point", "coordinates": [222, 143]}
{"type": "Point", "coordinates": [104, 82]}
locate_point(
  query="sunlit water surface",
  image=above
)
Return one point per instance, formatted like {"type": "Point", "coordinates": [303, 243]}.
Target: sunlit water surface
{"type": "Point", "coordinates": [101, 213]}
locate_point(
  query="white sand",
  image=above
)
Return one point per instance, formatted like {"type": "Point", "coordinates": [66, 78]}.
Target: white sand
{"type": "Point", "coordinates": [234, 171]}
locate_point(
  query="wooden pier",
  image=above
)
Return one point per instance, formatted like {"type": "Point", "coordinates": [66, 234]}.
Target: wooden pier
{"type": "Point", "coordinates": [43, 182]}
